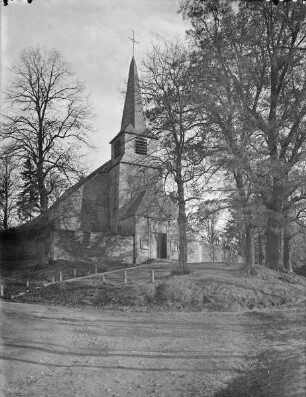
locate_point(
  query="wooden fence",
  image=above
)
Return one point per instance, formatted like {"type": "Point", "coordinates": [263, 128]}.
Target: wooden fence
{"type": "Point", "coordinates": [59, 277]}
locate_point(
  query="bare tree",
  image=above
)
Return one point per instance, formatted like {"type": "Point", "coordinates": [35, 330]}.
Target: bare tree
{"type": "Point", "coordinates": [168, 87]}
{"type": "Point", "coordinates": [47, 118]}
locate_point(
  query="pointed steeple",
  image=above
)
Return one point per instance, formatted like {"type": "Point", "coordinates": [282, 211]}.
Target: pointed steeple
{"type": "Point", "coordinates": [133, 119]}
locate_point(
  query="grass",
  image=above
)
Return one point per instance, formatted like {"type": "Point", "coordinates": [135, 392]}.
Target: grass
{"type": "Point", "coordinates": [14, 274]}
{"type": "Point", "coordinates": [202, 290]}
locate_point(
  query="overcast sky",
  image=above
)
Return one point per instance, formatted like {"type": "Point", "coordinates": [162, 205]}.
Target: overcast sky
{"type": "Point", "coordinates": [93, 36]}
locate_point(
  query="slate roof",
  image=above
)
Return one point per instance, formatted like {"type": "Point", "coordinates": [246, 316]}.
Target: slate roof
{"type": "Point", "coordinates": [133, 118]}
{"type": "Point", "coordinates": [159, 207]}
{"type": "Point", "coordinates": [132, 210]}
{"type": "Point", "coordinates": [103, 169]}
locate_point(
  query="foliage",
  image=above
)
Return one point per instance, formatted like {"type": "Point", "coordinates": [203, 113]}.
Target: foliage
{"type": "Point", "coordinates": [47, 119]}
{"type": "Point", "coordinates": [252, 59]}
{"type": "Point", "coordinates": [171, 98]}
{"type": "Point", "coordinates": [8, 191]}
{"type": "Point", "coordinates": [28, 203]}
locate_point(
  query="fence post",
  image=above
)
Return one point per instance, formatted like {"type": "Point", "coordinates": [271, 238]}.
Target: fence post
{"type": "Point", "coordinates": [1, 290]}
{"type": "Point", "coordinates": [96, 268]}
{"type": "Point", "coordinates": [61, 276]}
{"type": "Point", "coordinates": [125, 277]}
{"type": "Point", "coordinates": [28, 283]}
{"type": "Point", "coordinates": [152, 276]}
{"type": "Point", "coordinates": [53, 278]}
{"type": "Point", "coordinates": [74, 273]}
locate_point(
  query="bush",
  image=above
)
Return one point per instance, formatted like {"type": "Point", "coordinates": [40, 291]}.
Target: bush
{"type": "Point", "coordinates": [180, 272]}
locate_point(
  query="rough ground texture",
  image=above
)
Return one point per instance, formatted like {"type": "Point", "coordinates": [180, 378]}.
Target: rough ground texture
{"type": "Point", "coordinates": [214, 288]}
{"type": "Point", "coordinates": [14, 274]}
{"type": "Point", "coordinates": [49, 350]}
{"type": "Point", "coordinates": [184, 336]}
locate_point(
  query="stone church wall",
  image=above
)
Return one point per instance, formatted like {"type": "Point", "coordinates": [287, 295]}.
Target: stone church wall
{"type": "Point", "coordinates": [96, 247]}
{"type": "Point", "coordinates": [65, 214]}
{"type": "Point", "coordinates": [132, 182]}
{"type": "Point", "coordinates": [95, 204]}
{"type": "Point", "coordinates": [146, 238]}
{"type": "Point", "coordinates": [127, 225]}
{"type": "Point", "coordinates": [113, 191]}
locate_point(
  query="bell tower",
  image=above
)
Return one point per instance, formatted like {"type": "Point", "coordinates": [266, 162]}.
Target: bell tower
{"type": "Point", "coordinates": [132, 140]}
{"type": "Point", "coordinates": [132, 148]}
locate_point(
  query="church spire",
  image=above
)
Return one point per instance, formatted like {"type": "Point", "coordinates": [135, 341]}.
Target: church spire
{"type": "Point", "coordinates": [133, 119]}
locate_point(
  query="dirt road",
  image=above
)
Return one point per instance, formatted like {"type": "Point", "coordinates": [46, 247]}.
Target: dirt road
{"type": "Point", "coordinates": [57, 351]}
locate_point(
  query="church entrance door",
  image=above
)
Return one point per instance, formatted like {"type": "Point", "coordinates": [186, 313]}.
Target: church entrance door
{"type": "Point", "coordinates": [162, 245]}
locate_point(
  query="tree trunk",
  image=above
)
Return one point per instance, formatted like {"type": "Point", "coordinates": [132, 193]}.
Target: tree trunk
{"type": "Point", "coordinates": [273, 244]}
{"type": "Point", "coordinates": [249, 245]}
{"type": "Point", "coordinates": [214, 254]}
{"type": "Point", "coordinates": [261, 253]}
{"type": "Point", "coordinates": [5, 218]}
{"type": "Point", "coordinates": [287, 250]}
{"type": "Point", "coordinates": [43, 197]}
{"type": "Point", "coordinates": [182, 225]}
{"type": "Point", "coordinates": [274, 228]}
{"type": "Point", "coordinates": [6, 195]}
{"type": "Point", "coordinates": [6, 206]}
{"type": "Point", "coordinates": [249, 235]}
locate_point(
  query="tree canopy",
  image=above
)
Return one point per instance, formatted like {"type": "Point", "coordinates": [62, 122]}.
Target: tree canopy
{"type": "Point", "coordinates": [252, 58]}
{"type": "Point", "coordinates": [47, 119]}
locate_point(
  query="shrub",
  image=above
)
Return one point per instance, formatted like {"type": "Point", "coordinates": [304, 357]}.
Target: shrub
{"type": "Point", "coordinates": [180, 272]}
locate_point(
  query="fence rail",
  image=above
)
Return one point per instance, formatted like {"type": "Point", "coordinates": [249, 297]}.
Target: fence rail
{"type": "Point", "coordinates": [149, 272]}
{"type": "Point", "coordinates": [125, 273]}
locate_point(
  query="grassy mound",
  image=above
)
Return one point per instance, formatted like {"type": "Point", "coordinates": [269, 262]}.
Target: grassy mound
{"type": "Point", "coordinates": [14, 274]}
{"type": "Point", "coordinates": [206, 290]}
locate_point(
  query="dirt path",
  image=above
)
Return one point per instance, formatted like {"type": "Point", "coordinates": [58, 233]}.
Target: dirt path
{"type": "Point", "coordinates": [48, 351]}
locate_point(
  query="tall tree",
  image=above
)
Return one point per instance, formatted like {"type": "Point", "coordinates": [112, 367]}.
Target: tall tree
{"type": "Point", "coordinates": [47, 118]}
{"type": "Point", "coordinates": [28, 203]}
{"type": "Point", "coordinates": [259, 50]}
{"type": "Point", "coordinates": [8, 191]}
{"type": "Point", "coordinates": [168, 87]}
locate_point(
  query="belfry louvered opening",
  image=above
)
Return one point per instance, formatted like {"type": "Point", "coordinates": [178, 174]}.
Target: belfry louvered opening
{"type": "Point", "coordinates": [141, 146]}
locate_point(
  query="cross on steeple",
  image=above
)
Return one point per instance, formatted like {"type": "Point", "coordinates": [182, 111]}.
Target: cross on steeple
{"type": "Point", "coordinates": [133, 41]}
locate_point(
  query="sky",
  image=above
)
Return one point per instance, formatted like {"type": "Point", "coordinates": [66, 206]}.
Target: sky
{"type": "Point", "coordinates": [92, 36]}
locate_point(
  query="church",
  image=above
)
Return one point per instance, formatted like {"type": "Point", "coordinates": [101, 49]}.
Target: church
{"type": "Point", "coordinates": [119, 213]}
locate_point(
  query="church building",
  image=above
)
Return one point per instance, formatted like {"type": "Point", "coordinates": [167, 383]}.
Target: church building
{"type": "Point", "coordinates": [120, 212]}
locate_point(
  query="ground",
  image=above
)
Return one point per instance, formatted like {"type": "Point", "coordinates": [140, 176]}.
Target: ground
{"type": "Point", "coordinates": [54, 350]}
{"type": "Point", "coordinates": [209, 287]}
{"type": "Point", "coordinates": [212, 333]}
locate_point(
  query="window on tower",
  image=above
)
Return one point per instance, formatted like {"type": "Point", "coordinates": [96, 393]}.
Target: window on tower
{"type": "Point", "coordinates": [141, 146]}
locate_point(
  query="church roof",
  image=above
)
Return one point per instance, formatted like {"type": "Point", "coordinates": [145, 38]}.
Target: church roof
{"type": "Point", "coordinates": [132, 210]}
{"type": "Point", "coordinates": [147, 204]}
{"type": "Point", "coordinates": [68, 192]}
{"type": "Point", "coordinates": [133, 119]}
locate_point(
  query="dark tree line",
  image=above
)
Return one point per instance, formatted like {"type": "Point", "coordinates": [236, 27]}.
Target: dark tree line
{"type": "Point", "coordinates": [253, 70]}
{"type": "Point", "coordinates": [244, 87]}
